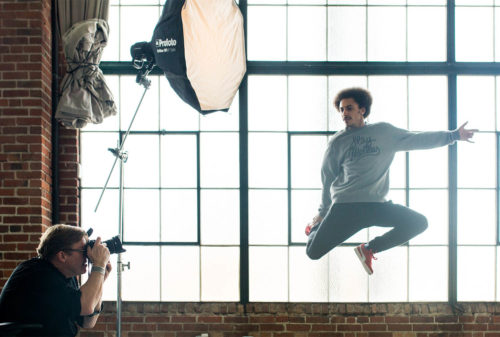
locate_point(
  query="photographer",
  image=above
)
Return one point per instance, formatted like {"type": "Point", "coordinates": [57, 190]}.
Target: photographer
{"type": "Point", "coordinates": [44, 290]}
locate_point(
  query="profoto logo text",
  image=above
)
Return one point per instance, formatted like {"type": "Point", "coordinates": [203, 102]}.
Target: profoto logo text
{"type": "Point", "coordinates": [165, 43]}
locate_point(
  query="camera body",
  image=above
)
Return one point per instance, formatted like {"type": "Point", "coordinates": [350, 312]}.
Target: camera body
{"type": "Point", "coordinates": [114, 244]}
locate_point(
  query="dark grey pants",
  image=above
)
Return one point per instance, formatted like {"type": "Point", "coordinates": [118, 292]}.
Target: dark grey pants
{"type": "Point", "coordinates": [344, 220]}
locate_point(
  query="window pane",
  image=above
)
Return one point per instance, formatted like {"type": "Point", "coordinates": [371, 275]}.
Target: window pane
{"type": "Point", "coordinates": [429, 168]}
{"type": "Point", "coordinates": [346, 42]}
{"type": "Point", "coordinates": [428, 274]}
{"type": "Point", "coordinates": [387, 2]}
{"type": "Point", "coordinates": [390, 100]}
{"type": "Point", "coordinates": [110, 286]}
{"type": "Point", "coordinates": [397, 171]}
{"type": "Point", "coordinates": [306, 2]}
{"type": "Point", "coordinates": [471, 22]}
{"type": "Point", "coordinates": [306, 33]}
{"type": "Point", "coordinates": [267, 160]}
{"type": "Point", "coordinates": [266, 33]}
{"type": "Point", "coordinates": [268, 217]}
{"type": "Point", "coordinates": [141, 215]}
{"type": "Point", "coordinates": [386, 38]}
{"type": "Point", "coordinates": [178, 161]}
{"type": "Point", "coordinates": [305, 205]}
{"type": "Point", "coordinates": [112, 51]}
{"type": "Point", "coordinates": [347, 2]}
{"type": "Point", "coordinates": [220, 214]}
{"type": "Point", "coordinates": [180, 274]}
{"type": "Point", "coordinates": [142, 167]}
{"type": "Point", "coordinates": [308, 279]}
{"type": "Point", "coordinates": [175, 114]}
{"type": "Point", "coordinates": [179, 216]}
{"type": "Point", "coordinates": [433, 204]}
{"type": "Point", "coordinates": [307, 97]}
{"type": "Point", "coordinates": [221, 120]}
{"type": "Point", "coordinates": [426, 42]}
{"type": "Point", "coordinates": [476, 274]}
{"type": "Point", "coordinates": [306, 156]}
{"type": "Point", "coordinates": [267, 107]}
{"type": "Point", "coordinates": [497, 34]}
{"type": "Point", "coordinates": [497, 100]}
{"type": "Point", "coordinates": [97, 161]}
{"type": "Point", "coordinates": [268, 269]}
{"type": "Point", "coordinates": [348, 283]}
{"type": "Point", "coordinates": [219, 160]}
{"type": "Point", "coordinates": [143, 261]}
{"type": "Point", "coordinates": [130, 96]}
{"type": "Point", "coordinates": [336, 84]}
{"type": "Point", "coordinates": [428, 101]}
{"type": "Point", "coordinates": [473, 2]}
{"type": "Point", "coordinates": [220, 273]}
{"type": "Point", "coordinates": [480, 113]}
{"type": "Point", "coordinates": [390, 282]}
{"type": "Point", "coordinates": [477, 162]}
{"type": "Point", "coordinates": [428, 2]}
{"type": "Point", "coordinates": [498, 272]}
{"type": "Point", "coordinates": [131, 33]}
{"type": "Point", "coordinates": [477, 217]}
{"type": "Point", "coordinates": [139, 2]}
{"type": "Point", "coordinates": [104, 222]}
{"type": "Point", "coordinates": [267, 2]}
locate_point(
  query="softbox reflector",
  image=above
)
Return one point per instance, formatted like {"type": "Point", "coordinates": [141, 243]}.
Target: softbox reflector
{"type": "Point", "coordinates": [199, 45]}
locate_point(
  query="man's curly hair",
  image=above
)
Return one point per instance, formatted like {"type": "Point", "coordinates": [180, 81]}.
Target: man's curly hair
{"type": "Point", "coordinates": [359, 95]}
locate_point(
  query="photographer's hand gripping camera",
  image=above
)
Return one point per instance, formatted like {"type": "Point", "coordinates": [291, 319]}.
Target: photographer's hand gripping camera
{"type": "Point", "coordinates": [114, 244]}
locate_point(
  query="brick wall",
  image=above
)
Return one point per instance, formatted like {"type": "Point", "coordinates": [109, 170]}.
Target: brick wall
{"type": "Point", "coordinates": [300, 320]}
{"type": "Point", "coordinates": [25, 128]}
{"type": "Point", "coordinates": [25, 134]}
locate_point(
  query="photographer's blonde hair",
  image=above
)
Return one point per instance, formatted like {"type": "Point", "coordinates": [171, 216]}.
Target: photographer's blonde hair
{"type": "Point", "coordinates": [57, 238]}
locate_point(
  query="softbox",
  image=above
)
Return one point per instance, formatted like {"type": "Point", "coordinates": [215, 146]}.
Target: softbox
{"type": "Point", "coordinates": [199, 45]}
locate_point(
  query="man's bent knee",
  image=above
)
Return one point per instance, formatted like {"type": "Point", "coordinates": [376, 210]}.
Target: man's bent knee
{"type": "Point", "coordinates": [422, 224]}
{"type": "Point", "coordinates": [313, 254]}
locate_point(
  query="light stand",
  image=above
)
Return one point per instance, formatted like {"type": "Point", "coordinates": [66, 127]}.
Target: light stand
{"type": "Point", "coordinates": [145, 67]}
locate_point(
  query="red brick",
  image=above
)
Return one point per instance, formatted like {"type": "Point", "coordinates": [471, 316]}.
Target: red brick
{"type": "Point", "coordinates": [272, 327]}
{"type": "Point", "coordinates": [263, 319]}
{"type": "Point", "coordinates": [236, 319]}
{"type": "Point", "coordinates": [397, 319]}
{"type": "Point", "coordinates": [298, 327]}
{"type": "Point", "coordinates": [424, 327]}
{"type": "Point", "coordinates": [220, 327]}
{"type": "Point", "coordinates": [373, 327]}
{"type": "Point", "coordinates": [210, 319]}
{"type": "Point", "coordinates": [195, 327]}
{"type": "Point", "coordinates": [317, 319]}
{"type": "Point", "coordinates": [169, 327]}
{"type": "Point", "coordinates": [143, 327]}
{"type": "Point", "coordinates": [351, 327]}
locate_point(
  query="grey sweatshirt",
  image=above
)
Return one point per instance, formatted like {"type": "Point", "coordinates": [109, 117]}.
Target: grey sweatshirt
{"type": "Point", "coordinates": [356, 163]}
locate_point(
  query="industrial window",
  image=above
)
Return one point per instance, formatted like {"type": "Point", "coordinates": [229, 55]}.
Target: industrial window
{"type": "Point", "coordinates": [189, 221]}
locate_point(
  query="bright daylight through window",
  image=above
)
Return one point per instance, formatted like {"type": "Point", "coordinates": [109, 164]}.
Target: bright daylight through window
{"type": "Point", "coordinates": [190, 197]}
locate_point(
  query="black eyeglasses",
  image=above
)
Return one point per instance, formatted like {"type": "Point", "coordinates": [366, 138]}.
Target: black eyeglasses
{"type": "Point", "coordinates": [74, 250]}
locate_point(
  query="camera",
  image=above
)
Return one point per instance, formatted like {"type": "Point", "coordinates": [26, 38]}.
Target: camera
{"type": "Point", "coordinates": [114, 244]}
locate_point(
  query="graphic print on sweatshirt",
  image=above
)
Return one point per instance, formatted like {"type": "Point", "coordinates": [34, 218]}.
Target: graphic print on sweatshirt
{"type": "Point", "coordinates": [362, 147]}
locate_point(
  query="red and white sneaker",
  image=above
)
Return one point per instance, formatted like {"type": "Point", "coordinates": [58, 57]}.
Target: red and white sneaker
{"type": "Point", "coordinates": [315, 221]}
{"type": "Point", "coordinates": [366, 257]}
{"type": "Point", "coordinates": [308, 229]}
